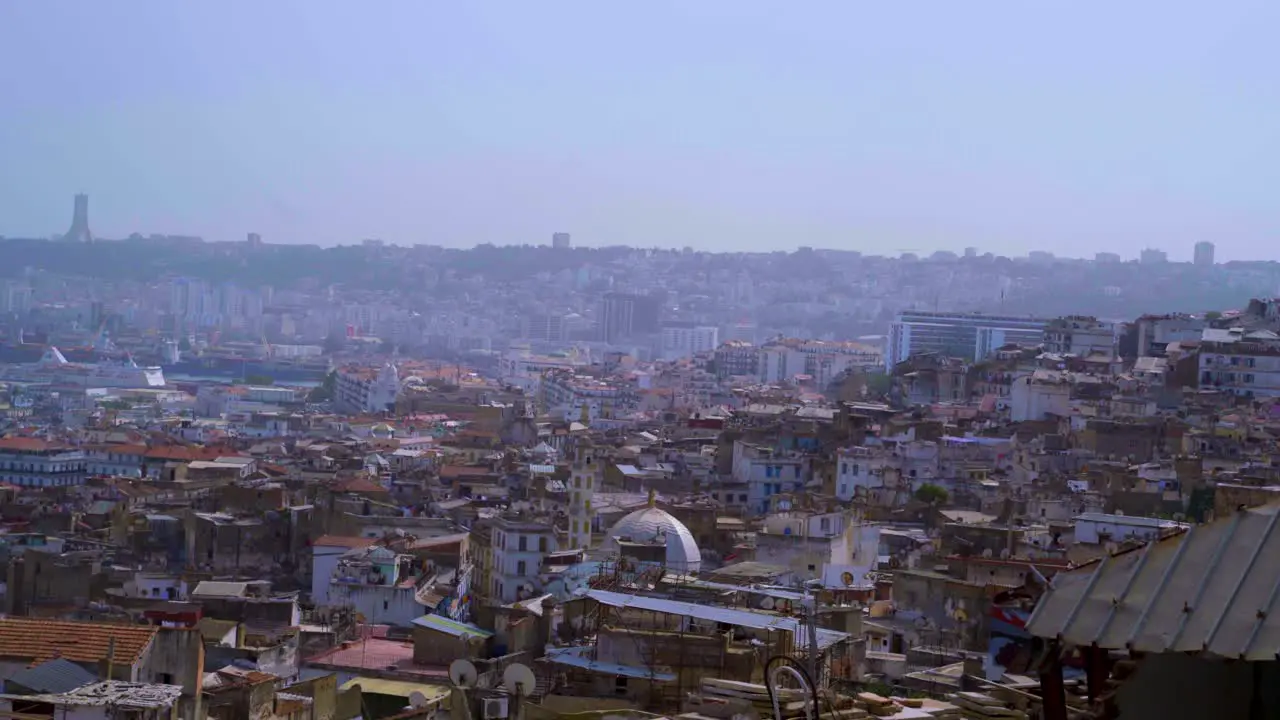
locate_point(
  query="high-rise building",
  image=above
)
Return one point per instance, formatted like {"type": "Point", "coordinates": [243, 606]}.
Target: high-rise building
{"type": "Point", "coordinates": [545, 326]}
{"type": "Point", "coordinates": [1106, 257]}
{"type": "Point", "coordinates": [1152, 256]}
{"type": "Point", "coordinates": [685, 339]}
{"type": "Point", "coordinates": [623, 315]}
{"type": "Point", "coordinates": [1204, 254]}
{"type": "Point", "coordinates": [972, 336]}
{"type": "Point", "coordinates": [254, 240]}
{"type": "Point", "coordinates": [79, 231]}
{"type": "Point", "coordinates": [560, 241]}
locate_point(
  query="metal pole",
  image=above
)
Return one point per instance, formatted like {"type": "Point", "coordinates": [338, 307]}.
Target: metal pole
{"type": "Point", "coordinates": [811, 621]}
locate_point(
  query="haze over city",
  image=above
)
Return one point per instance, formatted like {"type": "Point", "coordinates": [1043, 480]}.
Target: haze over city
{"type": "Point", "coordinates": [718, 125]}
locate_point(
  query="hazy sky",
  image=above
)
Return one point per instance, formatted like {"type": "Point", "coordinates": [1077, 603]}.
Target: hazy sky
{"type": "Point", "coordinates": [721, 124]}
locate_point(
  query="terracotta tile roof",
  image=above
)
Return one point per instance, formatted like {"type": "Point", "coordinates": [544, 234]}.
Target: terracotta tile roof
{"type": "Point", "coordinates": [345, 541]}
{"type": "Point", "coordinates": [358, 485]}
{"type": "Point", "coordinates": [80, 642]}
{"type": "Point", "coordinates": [26, 444]}
{"type": "Point", "coordinates": [461, 471]}
{"type": "Point", "coordinates": [183, 452]}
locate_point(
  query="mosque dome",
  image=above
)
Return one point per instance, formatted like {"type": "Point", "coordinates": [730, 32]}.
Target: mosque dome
{"type": "Point", "coordinates": [653, 526]}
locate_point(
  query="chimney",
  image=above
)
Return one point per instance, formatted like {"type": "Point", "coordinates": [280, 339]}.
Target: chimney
{"type": "Point", "coordinates": [545, 623]}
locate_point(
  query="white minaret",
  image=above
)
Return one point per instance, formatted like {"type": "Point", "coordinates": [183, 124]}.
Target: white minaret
{"type": "Point", "coordinates": [385, 390]}
{"type": "Point", "coordinates": [586, 475]}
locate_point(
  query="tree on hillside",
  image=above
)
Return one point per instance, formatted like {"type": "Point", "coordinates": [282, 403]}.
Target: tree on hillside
{"type": "Point", "coordinates": [932, 494]}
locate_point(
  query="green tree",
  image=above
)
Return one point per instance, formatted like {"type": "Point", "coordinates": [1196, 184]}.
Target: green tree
{"type": "Point", "coordinates": [259, 380]}
{"type": "Point", "coordinates": [878, 384]}
{"type": "Point", "coordinates": [324, 391]}
{"type": "Point", "coordinates": [932, 494]}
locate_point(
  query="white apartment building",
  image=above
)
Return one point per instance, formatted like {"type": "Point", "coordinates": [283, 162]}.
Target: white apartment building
{"type": "Point", "coordinates": [372, 582]}
{"type": "Point", "coordinates": [972, 336]}
{"type": "Point", "coordinates": [1097, 528]}
{"type": "Point", "coordinates": [566, 394]}
{"type": "Point", "coordinates": [519, 547]}
{"type": "Point", "coordinates": [1247, 365]}
{"type": "Point", "coordinates": [767, 472]}
{"type": "Point", "coordinates": [1155, 332]}
{"type": "Point", "coordinates": [522, 368]}
{"type": "Point", "coordinates": [1080, 335]}
{"type": "Point", "coordinates": [780, 361]}
{"type": "Point", "coordinates": [359, 389]}
{"type": "Point", "coordinates": [1040, 395]}
{"type": "Point", "coordinates": [858, 469]}
{"type": "Point", "coordinates": [32, 462]}
{"type": "Point", "coordinates": [682, 340]}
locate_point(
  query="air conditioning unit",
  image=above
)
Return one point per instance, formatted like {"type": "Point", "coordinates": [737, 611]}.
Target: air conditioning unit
{"type": "Point", "coordinates": [495, 708]}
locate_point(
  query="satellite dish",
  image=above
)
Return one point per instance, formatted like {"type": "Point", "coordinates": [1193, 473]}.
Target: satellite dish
{"type": "Point", "coordinates": [462, 673]}
{"type": "Point", "coordinates": [417, 699]}
{"type": "Point", "coordinates": [767, 603]}
{"type": "Point", "coordinates": [518, 679]}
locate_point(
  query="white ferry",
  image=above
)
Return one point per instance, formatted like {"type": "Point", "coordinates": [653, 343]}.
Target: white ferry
{"type": "Point", "coordinates": [53, 367]}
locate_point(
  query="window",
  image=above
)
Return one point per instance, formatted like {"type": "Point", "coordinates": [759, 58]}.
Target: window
{"type": "Point", "coordinates": [521, 568]}
{"type": "Point", "coordinates": [524, 543]}
{"type": "Point", "coordinates": [542, 544]}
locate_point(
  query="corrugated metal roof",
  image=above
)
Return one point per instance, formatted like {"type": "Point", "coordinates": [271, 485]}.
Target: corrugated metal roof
{"type": "Point", "coordinates": [1133, 520]}
{"type": "Point", "coordinates": [742, 618]}
{"type": "Point", "coordinates": [220, 589]}
{"type": "Point", "coordinates": [451, 627]}
{"type": "Point", "coordinates": [575, 657]}
{"type": "Point", "coordinates": [55, 676]}
{"type": "Point", "coordinates": [1213, 589]}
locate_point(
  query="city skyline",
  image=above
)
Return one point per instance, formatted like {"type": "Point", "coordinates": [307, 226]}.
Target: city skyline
{"type": "Point", "coordinates": [1203, 252]}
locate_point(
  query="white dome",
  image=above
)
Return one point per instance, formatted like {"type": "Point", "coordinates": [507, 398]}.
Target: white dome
{"type": "Point", "coordinates": [651, 525]}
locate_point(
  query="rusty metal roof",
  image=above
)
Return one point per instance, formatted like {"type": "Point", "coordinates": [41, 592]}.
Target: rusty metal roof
{"type": "Point", "coordinates": [1213, 589]}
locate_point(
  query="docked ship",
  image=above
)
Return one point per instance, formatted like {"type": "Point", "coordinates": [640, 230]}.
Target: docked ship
{"type": "Point", "coordinates": [233, 367]}
{"type": "Point", "coordinates": [54, 368]}
{"type": "Point", "coordinates": [24, 353]}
